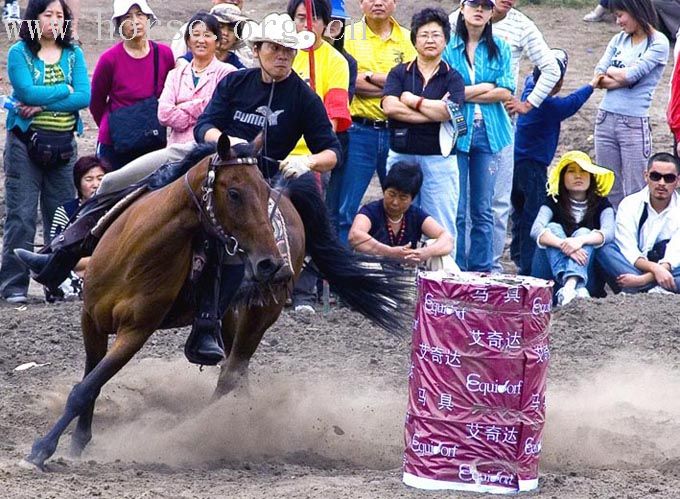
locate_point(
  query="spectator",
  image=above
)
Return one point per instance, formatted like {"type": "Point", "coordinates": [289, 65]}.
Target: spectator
{"type": "Point", "coordinates": [11, 11]}
{"type": "Point", "coordinates": [331, 81]}
{"type": "Point", "coordinates": [186, 93]}
{"type": "Point", "coordinates": [335, 36]}
{"type": "Point", "coordinates": [416, 100]}
{"type": "Point", "coordinates": [575, 221]}
{"type": "Point", "coordinates": [599, 13]}
{"type": "Point", "coordinates": [378, 43]}
{"type": "Point", "coordinates": [394, 226]}
{"type": "Point", "coordinates": [49, 80]}
{"type": "Point", "coordinates": [231, 23]}
{"type": "Point", "coordinates": [646, 253]}
{"type": "Point", "coordinates": [88, 172]}
{"type": "Point", "coordinates": [124, 74]}
{"type": "Point", "coordinates": [632, 66]}
{"type": "Point", "coordinates": [489, 82]}
{"type": "Point", "coordinates": [242, 50]}
{"type": "Point", "coordinates": [536, 139]}
{"type": "Point", "coordinates": [524, 38]}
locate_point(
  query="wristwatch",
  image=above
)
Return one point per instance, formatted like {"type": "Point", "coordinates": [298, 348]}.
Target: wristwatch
{"type": "Point", "coordinates": [368, 75]}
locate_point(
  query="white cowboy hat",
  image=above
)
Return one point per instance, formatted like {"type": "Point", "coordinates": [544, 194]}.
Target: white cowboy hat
{"type": "Point", "coordinates": [121, 7]}
{"type": "Point", "coordinates": [279, 29]}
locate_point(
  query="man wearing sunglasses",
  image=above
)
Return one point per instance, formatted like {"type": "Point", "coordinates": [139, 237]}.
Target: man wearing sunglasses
{"type": "Point", "coordinates": [646, 253]}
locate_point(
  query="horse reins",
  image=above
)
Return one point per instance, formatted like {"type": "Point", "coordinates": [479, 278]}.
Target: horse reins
{"type": "Point", "coordinates": [205, 206]}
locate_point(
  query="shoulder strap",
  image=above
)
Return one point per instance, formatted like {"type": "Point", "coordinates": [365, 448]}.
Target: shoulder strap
{"type": "Point", "coordinates": [643, 219]}
{"type": "Point", "coordinates": [154, 47]}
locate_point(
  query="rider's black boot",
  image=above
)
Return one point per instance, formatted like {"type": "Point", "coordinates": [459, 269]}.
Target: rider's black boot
{"type": "Point", "coordinates": [50, 269]}
{"type": "Point", "coordinates": [204, 345]}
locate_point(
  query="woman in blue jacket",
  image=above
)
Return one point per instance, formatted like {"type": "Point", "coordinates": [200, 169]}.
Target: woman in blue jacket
{"type": "Point", "coordinates": [483, 61]}
{"type": "Point", "coordinates": [50, 85]}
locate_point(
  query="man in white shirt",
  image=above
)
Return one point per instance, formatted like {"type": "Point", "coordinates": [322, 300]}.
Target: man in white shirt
{"type": "Point", "coordinates": [645, 255]}
{"type": "Point", "coordinates": [524, 39]}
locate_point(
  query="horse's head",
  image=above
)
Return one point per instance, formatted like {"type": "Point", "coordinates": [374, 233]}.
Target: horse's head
{"type": "Point", "coordinates": [241, 207]}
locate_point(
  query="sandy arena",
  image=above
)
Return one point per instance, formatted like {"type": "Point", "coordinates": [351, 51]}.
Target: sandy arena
{"type": "Point", "coordinates": [329, 392]}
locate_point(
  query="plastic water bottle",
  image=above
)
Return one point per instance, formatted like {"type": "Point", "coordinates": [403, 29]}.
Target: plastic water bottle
{"type": "Point", "coordinates": [7, 102]}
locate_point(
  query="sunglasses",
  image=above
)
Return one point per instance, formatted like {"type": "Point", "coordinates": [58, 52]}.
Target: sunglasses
{"type": "Point", "coordinates": [477, 3]}
{"type": "Point", "coordinates": [669, 178]}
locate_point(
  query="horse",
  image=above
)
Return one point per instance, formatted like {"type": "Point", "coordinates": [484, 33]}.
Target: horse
{"type": "Point", "coordinates": [138, 274]}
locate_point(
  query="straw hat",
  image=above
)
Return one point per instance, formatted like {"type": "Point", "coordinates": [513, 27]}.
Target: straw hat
{"type": "Point", "coordinates": [604, 178]}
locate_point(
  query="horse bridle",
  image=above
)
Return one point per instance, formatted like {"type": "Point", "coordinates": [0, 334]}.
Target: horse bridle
{"type": "Point", "coordinates": [206, 205]}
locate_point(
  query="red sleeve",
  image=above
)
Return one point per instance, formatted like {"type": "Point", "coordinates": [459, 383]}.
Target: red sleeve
{"type": "Point", "coordinates": [102, 79]}
{"type": "Point", "coordinates": [673, 111]}
{"type": "Point", "coordinates": [336, 102]}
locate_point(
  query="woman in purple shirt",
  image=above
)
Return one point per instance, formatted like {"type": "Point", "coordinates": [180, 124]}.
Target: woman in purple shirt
{"type": "Point", "coordinates": [124, 73]}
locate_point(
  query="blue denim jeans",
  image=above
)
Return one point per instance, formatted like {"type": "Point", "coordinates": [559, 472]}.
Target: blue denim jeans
{"type": "Point", "coordinates": [25, 185]}
{"type": "Point", "coordinates": [528, 194]}
{"type": "Point", "coordinates": [335, 181]}
{"type": "Point", "coordinates": [367, 154]}
{"type": "Point", "coordinates": [612, 264]}
{"type": "Point", "coordinates": [114, 160]}
{"type": "Point", "coordinates": [502, 205]}
{"type": "Point", "coordinates": [477, 179]}
{"type": "Point", "coordinates": [623, 144]}
{"type": "Point", "coordinates": [440, 191]}
{"type": "Point", "coordinates": [551, 263]}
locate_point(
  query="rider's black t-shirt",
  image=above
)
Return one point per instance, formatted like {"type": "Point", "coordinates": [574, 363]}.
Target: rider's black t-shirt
{"type": "Point", "coordinates": [241, 104]}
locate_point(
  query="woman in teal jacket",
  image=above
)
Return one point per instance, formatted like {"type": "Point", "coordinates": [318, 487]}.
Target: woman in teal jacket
{"type": "Point", "coordinates": [50, 85]}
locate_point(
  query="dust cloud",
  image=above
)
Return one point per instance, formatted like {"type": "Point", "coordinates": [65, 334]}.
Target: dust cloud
{"type": "Point", "coordinates": [158, 411]}
{"type": "Point", "coordinates": [626, 415]}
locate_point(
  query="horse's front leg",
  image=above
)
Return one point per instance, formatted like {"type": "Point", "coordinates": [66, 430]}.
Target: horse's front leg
{"type": "Point", "coordinates": [247, 331]}
{"type": "Point", "coordinates": [95, 350]}
{"type": "Point", "coordinates": [83, 395]}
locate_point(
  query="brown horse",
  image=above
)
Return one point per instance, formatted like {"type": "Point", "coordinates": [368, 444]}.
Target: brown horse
{"type": "Point", "coordinates": [137, 276]}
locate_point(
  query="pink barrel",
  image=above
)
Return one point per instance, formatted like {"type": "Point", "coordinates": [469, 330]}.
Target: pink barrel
{"type": "Point", "coordinates": [477, 382]}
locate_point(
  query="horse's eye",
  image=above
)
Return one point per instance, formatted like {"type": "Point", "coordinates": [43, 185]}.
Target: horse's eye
{"type": "Point", "coordinates": [234, 195]}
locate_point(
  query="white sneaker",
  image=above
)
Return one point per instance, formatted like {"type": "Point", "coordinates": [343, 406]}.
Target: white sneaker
{"type": "Point", "coordinates": [596, 15]}
{"type": "Point", "coordinates": [11, 12]}
{"type": "Point", "coordinates": [565, 296]}
{"type": "Point", "coordinates": [17, 298]}
{"type": "Point", "coordinates": [660, 291]}
{"type": "Point", "coordinates": [305, 309]}
{"type": "Point", "coordinates": [582, 292]}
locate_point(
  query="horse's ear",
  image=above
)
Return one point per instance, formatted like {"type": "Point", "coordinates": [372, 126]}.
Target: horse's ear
{"type": "Point", "coordinates": [224, 147]}
{"type": "Point", "coordinates": [257, 143]}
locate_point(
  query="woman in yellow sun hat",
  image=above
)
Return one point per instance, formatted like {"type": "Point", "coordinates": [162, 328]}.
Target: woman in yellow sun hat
{"type": "Point", "coordinates": [575, 221]}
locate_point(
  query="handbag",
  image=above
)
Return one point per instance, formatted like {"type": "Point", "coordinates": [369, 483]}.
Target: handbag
{"type": "Point", "coordinates": [135, 128]}
{"type": "Point", "coordinates": [46, 148]}
{"type": "Point", "coordinates": [450, 130]}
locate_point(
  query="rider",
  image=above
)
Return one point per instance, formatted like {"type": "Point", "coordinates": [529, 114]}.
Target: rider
{"type": "Point", "coordinates": [271, 98]}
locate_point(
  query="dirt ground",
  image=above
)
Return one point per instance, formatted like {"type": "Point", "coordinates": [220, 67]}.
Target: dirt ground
{"type": "Point", "coordinates": [325, 418]}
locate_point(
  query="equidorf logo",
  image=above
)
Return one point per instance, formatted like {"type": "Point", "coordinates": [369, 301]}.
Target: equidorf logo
{"type": "Point", "coordinates": [422, 448]}
{"type": "Point", "coordinates": [469, 473]}
{"type": "Point", "coordinates": [436, 308]}
{"type": "Point", "coordinates": [540, 308]}
{"type": "Point", "coordinates": [474, 385]}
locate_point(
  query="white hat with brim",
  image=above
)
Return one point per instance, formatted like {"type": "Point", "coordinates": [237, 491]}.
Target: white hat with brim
{"type": "Point", "coordinates": [278, 29]}
{"type": "Point", "coordinates": [122, 7]}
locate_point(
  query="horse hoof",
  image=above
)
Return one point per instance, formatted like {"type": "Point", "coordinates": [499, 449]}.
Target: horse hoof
{"type": "Point", "coordinates": [27, 464]}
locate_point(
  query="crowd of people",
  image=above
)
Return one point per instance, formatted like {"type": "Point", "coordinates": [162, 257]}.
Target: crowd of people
{"type": "Point", "coordinates": [432, 109]}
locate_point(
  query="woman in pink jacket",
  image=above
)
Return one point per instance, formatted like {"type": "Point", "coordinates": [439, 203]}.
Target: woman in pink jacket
{"type": "Point", "coordinates": [186, 93]}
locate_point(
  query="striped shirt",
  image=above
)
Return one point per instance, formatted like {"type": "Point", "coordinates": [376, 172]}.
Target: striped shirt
{"type": "Point", "coordinates": [524, 38]}
{"type": "Point", "coordinates": [496, 71]}
{"type": "Point", "coordinates": [377, 55]}
{"type": "Point", "coordinates": [54, 120]}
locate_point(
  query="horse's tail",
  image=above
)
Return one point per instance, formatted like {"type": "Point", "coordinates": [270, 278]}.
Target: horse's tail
{"type": "Point", "coordinates": [380, 293]}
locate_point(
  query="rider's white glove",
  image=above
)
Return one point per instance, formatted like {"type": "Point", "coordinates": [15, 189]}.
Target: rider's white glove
{"type": "Point", "coordinates": [295, 166]}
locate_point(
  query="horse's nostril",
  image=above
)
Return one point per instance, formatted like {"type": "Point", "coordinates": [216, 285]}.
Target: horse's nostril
{"type": "Point", "coordinates": [267, 267]}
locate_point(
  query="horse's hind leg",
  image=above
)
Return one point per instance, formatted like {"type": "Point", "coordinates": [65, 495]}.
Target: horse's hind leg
{"type": "Point", "coordinates": [95, 350]}
{"type": "Point", "coordinates": [247, 332]}
{"type": "Point", "coordinates": [82, 396]}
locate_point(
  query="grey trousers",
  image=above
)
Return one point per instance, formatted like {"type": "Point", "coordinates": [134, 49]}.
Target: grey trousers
{"type": "Point", "coordinates": [143, 166]}
{"type": "Point", "coordinates": [623, 144]}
